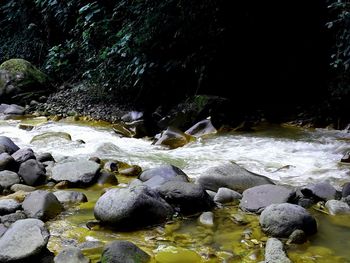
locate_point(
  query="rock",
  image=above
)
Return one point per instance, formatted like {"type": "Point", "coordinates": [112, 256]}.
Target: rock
{"type": "Point", "coordinates": [297, 237]}
{"type": "Point", "coordinates": [207, 219]}
{"type": "Point", "coordinates": [8, 179]}
{"type": "Point", "coordinates": [255, 199]}
{"type": "Point", "coordinates": [133, 170]}
{"type": "Point", "coordinates": [186, 198]}
{"type": "Point", "coordinates": [336, 207]}
{"type": "Point", "coordinates": [107, 178]}
{"type": "Point", "coordinates": [12, 109]}
{"type": "Point", "coordinates": [9, 219]}
{"type": "Point", "coordinates": [132, 116]}
{"type": "Point", "coordinates": [232, 176]}
{"type": "Point", "coordinates": [122, 130]}
{"type": "Point", "coordinates": [32, 172]}
{"type": "Point", "coordinates": [71, 255]}
{"type": "Point", "coordinates": [173, 138]}
{"type": "Point", "coordinates": [80, 172]}
{"type": "Point", "coordinates": [3, 229]}
{"type": "Point", "coordinates": [123, 252]}
{"type": "Point", "coordinates": [42, 205]}
{"type": "Point", "coordinates": [7, 145]}
{"type": "Point", "coordinates": [346, 190]}
{"type": "Point", "coordinates": [305, 202]}
{"type": "Point", "coordinates": [26, 127]}
{"type": "Point", "coordinates": [132, 207]}
{"type": "Point", "coordinates": [212, 193]}
{"type": "Point", "coordinates": [202, 128]}
{"type": "Point", "coordinates": [110, 166]}
{"type": "Point", "coordinates": [225, 195]}
{"type": "Point", "coordinates": [7, 162]}
{"type": "Point", "coordinates": [22, 187]}
{"type": "Point", "coordinates": [51, 136]}
{"type": "Point", "coordinates": [23, 155]}
{"type": "Point", "coordinates": [45, 157]}
{"type": "Point", "coordinates": [346, 158]}
{"type": "Point", "coordinates": [274, 252]}
{"type": "Point", "coordinates": [95, 159]}
{"type": "Point", "coordinates": [19, 196]}
{"type": "Point", "coordinates": [320, 191]}
{"type": "Point", "coordinates": [280, 220]}
{"type": "Point", "coordinates": [8, 206]}
{"type": "Point", "coordinates": [25, 238]}
{"type": "Point", "coordinates": [346, 199]}
{"type": "Point", "coordinates": [65, 196]}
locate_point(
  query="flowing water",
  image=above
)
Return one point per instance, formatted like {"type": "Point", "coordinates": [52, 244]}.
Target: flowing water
{"type": "Point", "coordinates": [287, 155]}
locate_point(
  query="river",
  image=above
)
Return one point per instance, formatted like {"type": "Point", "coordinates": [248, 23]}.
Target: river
{"type": "Point", "coordinates": [305, 156]}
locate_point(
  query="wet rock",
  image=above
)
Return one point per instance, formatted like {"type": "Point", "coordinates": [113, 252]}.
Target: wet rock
{"type": "Point", "coordinates": [8, 206]}
{"type": "Point", "coordinates": [225, 195]}
{"type": "Point", "coordinates": [106, 177]}
{"type": "Point", "coordinates": [133, 170]}
{"type": "Point", "coordinates": [346, 158]}
{"type": "Point", "coordinates": [297, 237]}
{"type": "Point", "coordinates": [346, 190]}
{"type": "Point", "coordinates": [22, 187]}
{"type": "Point", "coordinates": [7, 162]}
{"type": "Point", "coordinates": [90, 244]}
{"type": "Point", "coordinates": [3, 229]}
{"type": "Point", "coordinates": [62, 185]}
{"type": "Point", "coordinates": [305, 202]}
{"type": "Point", "coordinates": [232, 176]}
{"type": "Point", "coordinates": [71, 255]}
{"type": "Point", "coordinates": [45, 157]}
{"type": "Point", "coordinates": [11, 109]}
{"type": "Point", "coordinates": [66, 197]}
{"type": "Point", "coordinates": [173, 138]}
{"type": "Point", "coordinates": [132, 207]}
{"type": "Point", "coordinates": [8, 179]}
{"type": "Point", "coordinates": [320, 191]}
{"type": "Point", "coordinates": [207, 219]}
{"type": "Point", "coordinates": [80, 172]}
{"type": "Point", "coordinates": [25, 238]}
{"type": "Point", "coordinates": [9, 219]}
{"type": "Point", "coordinates": [186, 198]}
{"type": "Point", "coordinates": [42, 205]}
{"type": "Point", "coordinates": [26, 127]}
{"type": "Point", "coordinates": [280, 220]}
{"type": "Point", "coordinates": [336, 207]}
{"type": "Point", "coordinates": [346, 199]}
{"type": "Point", "coordinates": [123, 252]}
{"type": "Point", "coordinates": [7, 145]}
{"type": "Point", "coordinates": [32, 172]}
{"type": "Point", "coordinates": [110, 166]}
{"type": "Point", "coordinates": [274, 252]}
{"type": "Point", "coordinates": [51, 136]}
{"type": "Point", "coordinates": [202, 128]}
{"type": "Point", "coordinates": [122, 130]}
{"type": "Point", "coordinates": [23, 155]}
{"type": "Point", "coordinates": [255, 199]}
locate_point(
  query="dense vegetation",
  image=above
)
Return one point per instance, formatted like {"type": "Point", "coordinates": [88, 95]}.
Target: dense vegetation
{"type": "Point", "coordinates": [262, 54]}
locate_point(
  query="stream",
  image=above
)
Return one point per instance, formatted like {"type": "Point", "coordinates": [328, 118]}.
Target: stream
{"type": "Point", "coordinates": [287, 155]}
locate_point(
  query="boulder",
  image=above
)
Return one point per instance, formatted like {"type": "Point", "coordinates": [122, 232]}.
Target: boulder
{"type": "Point", "coordinates": [232, 176]}
{"type": "Point", "coordinates": [71, 255]}
{"type": "Point", "coordinates": [80, 172]}
{"type": "Point", "coordinates": [23, 155]}
{"type": "Point", "coordinates": [9, 219]}
{"type": "Point", "coordinates": [45, 157]}
{"type": "Point", "coordinates": [133, 170]}
{"type": "Point", "coordinates": [70, 197]}
{"type": "Point", "coordinates": [346, 158]}
{"type": "Point", "coordinates": [8, 206]}
{"type": "Point", "coordinates": [22, 187]}
{"type": "Point", "coordinates": [202, 128]}
{"type": "Point", "coordinates": [11, 109]}
{"type": "Point", "coordinates": [255, 199]}
{"type": "Point", "coordinates": [173, 138]}
{"type": "Point", "coordinates": [274, 252]}
{"type": "Point", "coordinates": [51, 136]}
{"type": "Point", "coordinates": [319, 191]}
{"type": "Point", "coordinates": [346, 190]}
{"type": "Point", "coordinates": [7, 145]}
{"type": "Point", "coordinates": [8, 178]}
{"type": "Point", "coordinates": [280, 220]}
{"type": "Point", "coordinates": [25, 238]}
{"type": "Point", "coordinates": [7, 162]}
{"type": "Point", "coordinates": [123, 252]}
{"type": "Point", "coordinates": [297, 237]}
{"type": "Point", "coordinates": [42, 205]}
{"type": "Point", "coordinates": [106, 177]}
{"type": "Point", "coordinates": [186, 198]}
{"type": "Point", "coordinates": [225, 195]}
{"type": "Point", "coordinates": [133, 207]}
{"type": "Point", "coordinates": [336, 207]}
{"type": "Point", "coordinates": [32, 172]}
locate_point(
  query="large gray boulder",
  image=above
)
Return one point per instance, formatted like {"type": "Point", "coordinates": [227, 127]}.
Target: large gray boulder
{"type": "Point", "coordinates": [319, 191]}
{"type": "Point", "coordinates": [11, 109]}
{"type": "Point", "coordinates": [123, 252]}
{"type": "Point", "coordinates": [71, 255]}
{"type": "Point", "coordinates": [274, 252]}
{"type": "Point", "coordinates": [23, 155]}
{"type": "Point", "coordinates": [186, 198]}
{"type": "Point", "coordinates": [25, 238]}
{"type": "Point", "coordinates": [80, 172]}
{"type": "Point", "coordinates": [32, 172]}
{"type": "Point", "coordinates": [232, 176]}
{"type": "Point", "coordinates": [255, 199]}
{"type": "Point", "coordinates": [8, 178]}
{"type": "Point", "coordinates": [7, 145]}
{"type": "Point", "coordinates": [42, 205]}
{"type": "Point", "coordinates": [336, 207]}
{"type": "Point", "coordinates": [7, 162]}
{"type": "Point", "coordinates": [346, 190]}
{"type": "Point", "coordinates": [70, 197]}
{"type": "Point", "coordinates": [132, 207]}
{"type": "Point", "coordinates": [280, 220]}
{"type": "Point", "coordinates": [8, 206]}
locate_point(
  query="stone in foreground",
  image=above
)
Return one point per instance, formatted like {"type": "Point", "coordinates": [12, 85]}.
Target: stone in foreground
{"type": "Point", "coordinates": [71, 255]}
{"type": "Point", "coordinates": [123, 252]}
{"type": "Point", "coordinates": [274, 252]}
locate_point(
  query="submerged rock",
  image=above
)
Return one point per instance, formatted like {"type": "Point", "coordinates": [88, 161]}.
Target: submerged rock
{"type": "Point", "coordinates": [320, 191]}
{"type": "Point", "coordinates": [232, 176]}
{"type": "Point", "coordinates": [25, 238]}
{"type": "Point", "coordinates": [133, 207]}
{"type": "Point", "coordinates": [71, 255]}
{"type": "Point", "coordinates": [255, 199]}
{"type": "Point", "coordinates": [274, 252]}
{"type": "Point", "coordinates": [280, 220]}
{"type": "Point", "coordinates": [123, 252]}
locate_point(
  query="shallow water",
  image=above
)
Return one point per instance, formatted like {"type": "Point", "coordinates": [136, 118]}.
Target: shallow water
{"type": "Point", "coordinates": [304, 155]}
